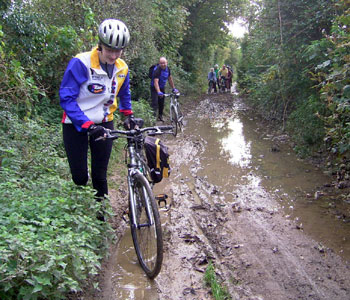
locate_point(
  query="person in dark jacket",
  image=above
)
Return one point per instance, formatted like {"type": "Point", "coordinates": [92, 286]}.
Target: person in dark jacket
{"type": "Point", "coordinates": [161, 74]}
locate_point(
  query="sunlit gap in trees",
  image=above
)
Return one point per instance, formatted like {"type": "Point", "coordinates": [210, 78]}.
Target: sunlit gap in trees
{"type": "Point", "coordinates": [238, 28]}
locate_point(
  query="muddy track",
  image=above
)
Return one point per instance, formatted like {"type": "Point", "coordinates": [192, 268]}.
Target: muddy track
{"type": "Point", "coordinates": [258, 253]}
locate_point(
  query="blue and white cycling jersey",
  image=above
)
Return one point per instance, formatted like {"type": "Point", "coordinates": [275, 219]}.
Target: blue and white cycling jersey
{"type": "Point", "coordinates": [88, 95]}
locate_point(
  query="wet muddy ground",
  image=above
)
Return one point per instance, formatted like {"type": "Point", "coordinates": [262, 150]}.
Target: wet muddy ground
{"type": "Point", "coordinates": [271, 224]}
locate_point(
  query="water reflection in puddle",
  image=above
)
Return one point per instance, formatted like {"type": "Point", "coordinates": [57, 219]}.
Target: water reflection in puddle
{"type": "Point", "coordinates": [246, 162]}
{"type": "Point", "coordinates": [236, 145]}
{"type": "Point", "coordinates": [128, 279]}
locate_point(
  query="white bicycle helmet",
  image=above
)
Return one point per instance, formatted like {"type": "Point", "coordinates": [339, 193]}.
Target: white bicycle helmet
{"type": "Point", "coordinates": [114, 34]}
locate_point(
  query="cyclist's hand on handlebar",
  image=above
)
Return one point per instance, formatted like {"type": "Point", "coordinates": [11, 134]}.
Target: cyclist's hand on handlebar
{"type": "Point", "coordinates": [96, 131]}
{"type": "Point", "coordinates": [129, 122]}
{"type": "Point", "coordinates": [175, 91]}
{"type": "Point", "coordinates": [160, 94]}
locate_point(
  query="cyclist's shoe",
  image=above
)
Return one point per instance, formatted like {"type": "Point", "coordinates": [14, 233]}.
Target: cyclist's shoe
{"type": "Point", "coordinates": [100, 216]}
{"type": "Point", "coordinates": [160, 118]}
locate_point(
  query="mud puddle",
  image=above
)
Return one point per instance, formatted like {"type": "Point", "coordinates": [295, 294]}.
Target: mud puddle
{"type": "Point", "coordinates": [242, 157]}
{"type": "Point", "coordinates": [241, 199]}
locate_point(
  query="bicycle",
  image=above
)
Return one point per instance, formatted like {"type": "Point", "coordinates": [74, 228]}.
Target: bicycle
{"type": "Point", "coordinates": [211, 86]}
{"type": "Point", "coordinates": [176, 116]}
{"type": "Point", "coordinates": [144, 216]}
{"type": "Point", "coordinates": [223, 84]}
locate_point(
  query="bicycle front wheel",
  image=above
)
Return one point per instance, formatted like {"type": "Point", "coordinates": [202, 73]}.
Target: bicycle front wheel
{"type": "Point", "coordinates": [174, 121]}
{"type": "Point", "coordinates": [180, 118]}
{"type": "Point", "coordinates": [147, 232]}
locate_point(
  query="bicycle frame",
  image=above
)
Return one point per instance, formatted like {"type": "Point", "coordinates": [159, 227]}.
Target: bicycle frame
{"type": "Point", "coordinates": [144, 216]}
{"type": "Point", "coordinates": [137, 164]}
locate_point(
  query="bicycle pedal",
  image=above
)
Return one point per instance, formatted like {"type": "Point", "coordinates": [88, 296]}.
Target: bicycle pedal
{"type": "Point", "coordinates": [162, 198]}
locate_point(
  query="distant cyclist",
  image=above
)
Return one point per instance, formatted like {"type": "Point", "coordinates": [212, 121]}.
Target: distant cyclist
{"type": "Point", "coordinates": [212, 80]}
{"type": "Point", "coordinates": [223, 77]}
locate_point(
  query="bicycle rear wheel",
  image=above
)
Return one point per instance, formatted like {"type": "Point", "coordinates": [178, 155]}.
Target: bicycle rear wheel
{"type": "Point", "coordinates": [174, 121]}
{"type": "Point", "coordinates": [210, 89]}
{"type": "Point", "coordinates": [147, 234]}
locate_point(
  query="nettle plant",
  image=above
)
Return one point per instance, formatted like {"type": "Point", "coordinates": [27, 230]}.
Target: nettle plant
{"type": "Point", "coordinates": [50, 238]}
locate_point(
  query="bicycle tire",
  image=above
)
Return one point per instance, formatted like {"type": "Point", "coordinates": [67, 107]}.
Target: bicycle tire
{"type": "Point", "coordinates": [210, 90]}
{"type": "Point", "coordinates": [147, 238]}
{"type": "Point", "coordinates": [180, 119]}
{"type": "Point", "coordinates": [174, 122]}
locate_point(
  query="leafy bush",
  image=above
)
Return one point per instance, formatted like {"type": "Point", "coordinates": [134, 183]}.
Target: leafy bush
{"type": "Point", "coordinates": [50, 238]}
{"type": "Point", "coordinates": [142, 109]}
{"type": "Point", "coordinates": [306, 126]}
{"type": "Point", "coordinates": [334, 84]}
{"type": "Point", "coordinates": [17, 88]}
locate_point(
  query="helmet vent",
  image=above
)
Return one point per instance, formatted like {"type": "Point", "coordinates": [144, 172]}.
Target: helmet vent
{"type": "Point", "coordinates": [114, 34]}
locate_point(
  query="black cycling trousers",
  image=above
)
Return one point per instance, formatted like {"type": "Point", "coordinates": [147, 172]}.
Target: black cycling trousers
{"type": "Point", "coordinates": [157, 102]}
{"type": "Point", "coordinates": [76, 145]}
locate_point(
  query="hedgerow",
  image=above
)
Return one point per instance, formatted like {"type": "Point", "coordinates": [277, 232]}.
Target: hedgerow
{"type": "Point", "coordinates": [50, 238]}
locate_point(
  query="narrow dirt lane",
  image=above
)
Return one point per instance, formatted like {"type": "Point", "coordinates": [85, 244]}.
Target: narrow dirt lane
{"type": "Point", "coordinates": [258, 253]}
{"type": "Point", "coordinates": [221, 212]}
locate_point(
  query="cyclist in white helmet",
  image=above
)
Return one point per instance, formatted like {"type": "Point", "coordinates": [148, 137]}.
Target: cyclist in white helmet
{"type": "Point", "coordinates": [88, 93]}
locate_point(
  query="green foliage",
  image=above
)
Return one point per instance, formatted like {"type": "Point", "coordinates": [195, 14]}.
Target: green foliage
{"type": "Point", "coordinates": [170, 26]}
{"type": "Point", "coordinates": [24, 34]}
{"type": "Point", "coordinates": [306, 127]}
{"type": "Point", "coordinates": [19, 90]}
{"type": "Point", "coordinates": [278, 56]}
{"type": "Point", "coordinates": [332, 76]}
{"type": "Point", "coordinates": [142, 109]}
{"type": "Point", "coordinates": [50, 239]}
{"type": "Point", "coordinates": [210, 279]}
{"type": "Point", "coordinates": [61, 43]}
{"type": "Point", "coordinates": [4, 4]}
{"type": "Point", "coordinates": [39, 46]}
{"type": "Point", "coordinates": [206, 27]}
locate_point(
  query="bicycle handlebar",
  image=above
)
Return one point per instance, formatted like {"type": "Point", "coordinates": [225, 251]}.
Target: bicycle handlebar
{"type": "Point", "coordinates": [130, 134]}
{"type": "Point", "coordinates": [172, 94]}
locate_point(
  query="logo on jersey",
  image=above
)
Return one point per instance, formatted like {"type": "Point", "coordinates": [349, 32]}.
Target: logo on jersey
{"type": "Point", "coordinates": [96, 88]}
{"type": "Point", "coordinates": [121, 75]}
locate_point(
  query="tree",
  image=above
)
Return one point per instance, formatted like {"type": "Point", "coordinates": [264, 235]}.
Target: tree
{"type": "Point", "coordinates": [207, 26]}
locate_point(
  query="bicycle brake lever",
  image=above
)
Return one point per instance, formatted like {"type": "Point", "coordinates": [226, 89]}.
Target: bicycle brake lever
{"type": "Point", "coordinates": [100, 138]}
{"type": "Point", "coordinates": [157, 132]}
{"type": "Point", "coordinates": [106, 135]}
